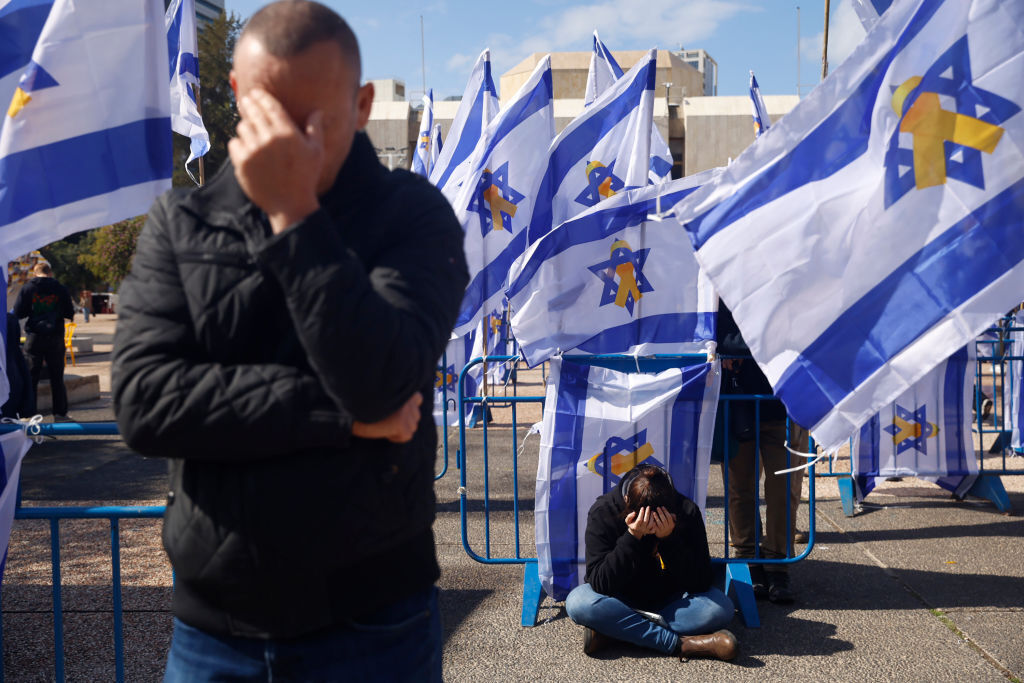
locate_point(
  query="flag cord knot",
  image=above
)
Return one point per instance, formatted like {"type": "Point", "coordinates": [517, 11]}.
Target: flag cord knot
{"type": "Point", "coordinates": [29, 425]}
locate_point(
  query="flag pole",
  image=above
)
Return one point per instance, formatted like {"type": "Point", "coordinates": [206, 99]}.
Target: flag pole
{"type": "Point", "coordinates": [423, 56]}
{"type": "Point", "coordinates": [824, 46]}
{"type": "Point", "coordinates": [199, 110]}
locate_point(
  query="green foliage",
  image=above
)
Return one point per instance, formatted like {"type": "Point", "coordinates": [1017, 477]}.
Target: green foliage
{"type": "Point", "coordinates": [216, 46]}
{"type": "Point", "coordinates": [109, 254]}
{"type": "Point", "coordinates": [63, 258]}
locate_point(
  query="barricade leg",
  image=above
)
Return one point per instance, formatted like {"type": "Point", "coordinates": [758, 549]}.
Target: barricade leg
{"type": "Point", "coordinates": [738, 587]}
{"type": "Point", "coordinates": [531, 594]}
{"type": "Point", "coordinates": [990, 487]}
{"type": "Point", "coordinates": [846, 495]}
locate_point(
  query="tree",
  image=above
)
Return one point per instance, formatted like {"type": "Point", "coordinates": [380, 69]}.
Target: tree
{"type": "Point", "coordinates": [63, 258]}
{"type": "Point", "coordinates": [216, 47]}
{"type": "Point", "coordinates": [110, 253]}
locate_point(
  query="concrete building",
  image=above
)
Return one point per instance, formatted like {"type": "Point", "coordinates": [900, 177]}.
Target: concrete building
{"type": "Point", "coordinates": [717, 129]}
{"type": "Point", "coordinates": [708, 68]}
{"type": "Point", "coordinates": [207, 11]}
{"type": "Point", "coordinates": [388, 90]}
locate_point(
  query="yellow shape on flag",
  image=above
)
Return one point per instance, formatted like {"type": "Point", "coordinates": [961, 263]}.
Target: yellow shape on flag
{"type": "Point", "coordinates": [498, 204]}
{"type": "Point", "coordinates": [623, 462]}
{"type": "Point", "coordinates": [932, 126]}
{"type": "Point", "coordinates": [909, 430]}
{"type": "Point", "coordinates": [605, 188]}
{"type": "Point", "coordinates": [18, 102]}
{"type": "Point", "coordinates": [627, 277]}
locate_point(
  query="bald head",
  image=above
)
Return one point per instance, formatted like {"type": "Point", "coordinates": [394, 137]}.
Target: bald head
{"type": "Point", "coordinates": [290, 27]}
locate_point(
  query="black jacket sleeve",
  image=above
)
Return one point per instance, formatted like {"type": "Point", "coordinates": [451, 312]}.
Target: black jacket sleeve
{"type": "Point", "coordinates": [23, 304]}
{"type": "Point", "coordinates": [395, 318]}
{"type": "Point", "coordinates": [67, 308]}
{"type": "Point", "coordinates": [171, 401]}
{"type": "Point", "coordinates": [613, 554]}
{"type": "Point", "coordinates": [685, 551]}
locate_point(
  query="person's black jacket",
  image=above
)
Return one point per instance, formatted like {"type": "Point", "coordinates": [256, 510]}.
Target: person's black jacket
{"type": "Point", "coordinates": [46, 303]}
{"type": "Point", "coordinates": [21, 400]}
{"type": "Point", "coordinates": [749, 379]}
{"type": "Point", "coordinates": [626, 568]}
{"type": "Point", "coordinates": [245, 357]}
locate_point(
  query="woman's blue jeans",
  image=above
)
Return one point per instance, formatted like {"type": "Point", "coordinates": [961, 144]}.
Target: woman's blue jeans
{"type": "Point", "coordinates": [401, 642]}
{"type": "Point", "coordinates": [689, 614]}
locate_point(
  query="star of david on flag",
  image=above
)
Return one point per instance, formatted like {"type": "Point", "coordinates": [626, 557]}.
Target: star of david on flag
{"type": "Point", "coordinates": [620, 455]}
{"type": "Point", "coordinates": [911, 429]}
{"type": "Point", "coordinates": [882, 228]}
{"type": "Point", "coordinates": [623, 276]}
{"type": "Point", "coordinates": [495, 201]}
{"type": "Point", "coordinates": [601, 184]}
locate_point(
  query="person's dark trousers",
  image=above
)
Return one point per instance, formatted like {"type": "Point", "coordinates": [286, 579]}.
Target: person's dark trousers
{"type": "Point", "coordinates": [399, 642]}
{"type": "Point", "coordinates": [48, 350]}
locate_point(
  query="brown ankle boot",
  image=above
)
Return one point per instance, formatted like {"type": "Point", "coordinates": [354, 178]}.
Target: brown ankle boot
{"type": "Point", "coordinates": [718, 645]}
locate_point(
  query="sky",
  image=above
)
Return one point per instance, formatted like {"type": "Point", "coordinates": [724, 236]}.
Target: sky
{"type": "Point", "coordinates": [741, 35]}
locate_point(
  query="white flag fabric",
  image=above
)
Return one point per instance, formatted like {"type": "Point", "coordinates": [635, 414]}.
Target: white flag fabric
{"type": "Point", "coordinates": [435, 144]}
{"type": "Point", "coordinates": [183, 56]}
{"type": "Point", "coordinates": [925, 432]}
{"type": "Point", "coordinates": [421, 158]}
{"type": "Point", "coordinates": [868, 11]}
{"type": "Point", "coordinates": [21, 22]}
{"type": "Point", "coordinates": [497, 196]}
{"type": "Point", "coordinates": [494, 332]}
{"type": "Point", "coordinates": [604, 71]}
{"type": "Point", "coordinates": [598, 424]}
{"type": "Point", "coordinates": [879, 226]}
{"type": "Point", "coordinates": [13, 447]}
{"type": "Point", "coordinates": [1013, 386]}
{"type": "Point", "coordinates": [761, 120]}
{"type": "Point", "coordinates": [446, 380]}
{"type": "Point", "coordinates": [611, 280]}
{"type": "Point", "coordinates": [478, 107]}
{"type": "Point", "coordinates": [87, 138]}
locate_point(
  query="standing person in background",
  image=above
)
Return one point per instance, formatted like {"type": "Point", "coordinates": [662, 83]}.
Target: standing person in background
{"type": "Point", "coordinates": [277, 340]}
{"type": "Point", "coordinates": [780, 504]}
{"type": "Point", "coordinates": [46, 303]}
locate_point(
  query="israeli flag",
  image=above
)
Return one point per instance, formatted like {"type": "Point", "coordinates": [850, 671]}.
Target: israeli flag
{"type": "Point", "coordinates": [446, 380]}
{"type": "Point", "coordinates": [603, 151]}
{"type": "Point", "coordinates": [603, 73]}
{"type": "Point", "coordinates": [21, 22]}
{"type": "Point", "coordinates": [435, 144]}
{"type": "Point", "coordinates": [1013, 386]}
{"type": "Point", "coordinates": [478, 107]}
{"type": "Point", "coordinates": [598, 424]}
{"type": "Point", "coordinates": [499, 191]}
{"type": "Point", "coordinates": [13, 447]}
{"type": "Point", "coordinates": [494, 339]}
{"type": "Point", "coordinates": [925, 432]}
{"type": "Point", "coordinates": [86, 140]}
{"type": "Point", "coordinates": [421, 158]}
{"type": "Point", "coordinates": [868, 11]}
{"type": "Point", "coordinates": [879, 226]}
{"type": "Point", "coordinates": [761, 120]}
{"type": "Point", "coordinates": [612, 280]}
{"type": "Point", "coordinates": [183, 58]}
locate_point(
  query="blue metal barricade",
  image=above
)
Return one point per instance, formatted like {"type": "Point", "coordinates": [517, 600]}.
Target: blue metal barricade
{"type": "Point", "coordinates": [737, 574]}
{"type": "Point", "coordinates": [55, 515]}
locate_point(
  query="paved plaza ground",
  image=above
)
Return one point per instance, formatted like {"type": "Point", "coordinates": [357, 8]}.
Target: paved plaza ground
{"type": "Point", "coordinates": [917, 586]}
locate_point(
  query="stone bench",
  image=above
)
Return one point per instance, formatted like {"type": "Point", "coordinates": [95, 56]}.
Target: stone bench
{"type": "Point", "coordinates": [80, 388]}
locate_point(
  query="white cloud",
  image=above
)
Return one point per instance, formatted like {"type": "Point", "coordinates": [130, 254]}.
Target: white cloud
{"type": "Point", "coordinates": [845, 33]}
{"type": "Point", "coordinates": [623, 24]}
{"type": "Point", "coordinates": [458, 62]}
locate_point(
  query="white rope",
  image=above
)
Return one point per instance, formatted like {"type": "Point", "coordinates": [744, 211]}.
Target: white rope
{"type": "Point", "coordinates": [813, 457]}
{"type": "Point", "coordinates": [29, 425]}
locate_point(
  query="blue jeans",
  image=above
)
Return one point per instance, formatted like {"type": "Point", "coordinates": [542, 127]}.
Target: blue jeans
{"type": "Point", "coordinates": [402, 642]}
{"type": "Point", "coordinates": [686, 615]}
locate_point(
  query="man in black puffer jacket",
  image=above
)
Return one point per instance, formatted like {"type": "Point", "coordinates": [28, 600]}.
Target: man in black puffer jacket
{"type": "Point", "coordinates": [648, 578]}
{"type": "Point", "coordinates": [277, 339]}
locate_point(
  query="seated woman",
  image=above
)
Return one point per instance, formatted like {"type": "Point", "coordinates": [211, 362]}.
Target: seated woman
{"type": "Point", "coordinates": [649, 573]}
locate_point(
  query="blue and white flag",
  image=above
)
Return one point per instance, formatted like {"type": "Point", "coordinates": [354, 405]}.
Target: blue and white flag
{"type": "Point", "coordinates": [422, 157]}
{"type": "Point", "coordinates": [13, 447]}
{"type": "Point", "coordinates": [598, 424]}
{"type": "Point", "coordinates": [494, 339]}
{"type": "Point", "coordinates": [1013, 385]}
{"type": "Point", "coordinates": [435, 144]}
{"type": "Point", "coordinates": [478, 107]}
{"type": "Point", "coordinates": [761, 120]}
{"type": "Point", "coordinates": [183, 63]}
{"type": "Point", "coordinates": [612, 280]}
{"type": "Point", "coordinates": [497, 196]}
{"type": "Point", "coordinates": [925, 432]}
{"type": "Point", "coordinates": [446, 380]}
{"type": "Point", "coordinates": [86, 140]}
{"type": "Point", "coordinates": [880, 226]}
{"type": "Point", "coordinates": [868, 11]}
{"type": "Point", "coordinates": [604, 71]}
{"type": "Point", "coordinates": [21, 22]}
